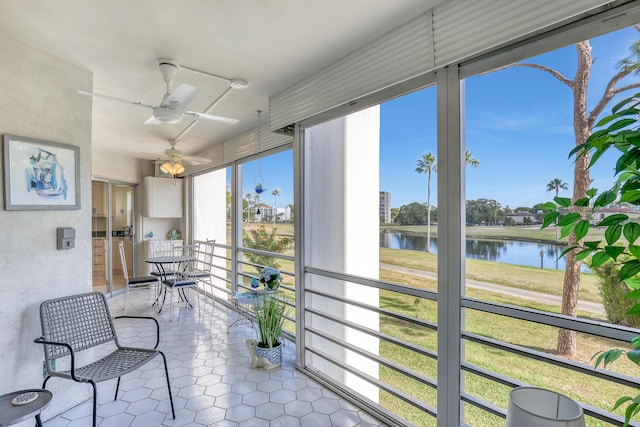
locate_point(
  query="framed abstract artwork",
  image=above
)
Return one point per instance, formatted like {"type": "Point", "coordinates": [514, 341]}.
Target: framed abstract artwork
{"type": "Point", "coordinates": [40, 175]}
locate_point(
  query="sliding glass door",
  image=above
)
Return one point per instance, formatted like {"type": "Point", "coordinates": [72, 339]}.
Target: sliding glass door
{"type": "Point", "coordinates": [112, 222]}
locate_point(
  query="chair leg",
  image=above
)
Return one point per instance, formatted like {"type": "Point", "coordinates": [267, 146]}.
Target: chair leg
{"type": "Point", "coordinates": [95, 402]}
{"type": "Point", "coordinates": [126, 298]}
{"type": "Point", "coordinates": [166, 372]}
{"type": "Point", "coordinates": [198, 298]}
{"type": "Point", "coordinates": [117, 388]}
{"type": "Point", "coordinates": [171, 305]}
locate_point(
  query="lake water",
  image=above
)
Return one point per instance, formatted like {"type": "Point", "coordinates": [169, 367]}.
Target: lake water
{"type": "Point", "coordinates": [506, 251]}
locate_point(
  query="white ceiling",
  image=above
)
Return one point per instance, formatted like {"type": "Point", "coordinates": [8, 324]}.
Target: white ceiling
{"type": "Point", "coordinates": [270, 43]}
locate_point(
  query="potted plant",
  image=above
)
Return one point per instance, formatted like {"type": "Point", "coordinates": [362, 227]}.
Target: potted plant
{"type": "Point", "coordinates": [266, 352]}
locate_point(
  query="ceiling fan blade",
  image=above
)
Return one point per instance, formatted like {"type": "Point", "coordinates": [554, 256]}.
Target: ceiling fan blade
{"type": "Point", "coordinates": [113, 98]}
{"type": "Point", "coordinates": [203, 116]}
{"type": "Point", "coordinates": [180, 97]}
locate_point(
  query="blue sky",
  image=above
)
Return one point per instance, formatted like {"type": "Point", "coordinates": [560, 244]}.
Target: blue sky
{"type": "Point", "coordinates": [519, 126]}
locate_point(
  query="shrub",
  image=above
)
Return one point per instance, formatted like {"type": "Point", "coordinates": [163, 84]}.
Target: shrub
{"type": "Point", "coordinates": [265, 241]}
{"type": "Point", "coordinates": [613, 293]}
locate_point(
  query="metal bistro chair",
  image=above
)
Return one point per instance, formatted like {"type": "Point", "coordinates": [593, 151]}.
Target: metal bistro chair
{"type": "Point", "coordinates": [76, 323]}
{"type": "Point", "coordinates": [161, 248]}
{"type": "Point", "coordinates": [134, 282]}
{"type": "Point", "coordinates": [203, 263]}
{"type": "Point", "coordinates": [183, 277]}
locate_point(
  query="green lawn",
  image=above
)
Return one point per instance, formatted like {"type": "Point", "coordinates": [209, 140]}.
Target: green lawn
{"type": "Point", "coordinates": [581, 387]}
{"type": "Point", "coordinates": [578, 386]}
{"type": "Point", "coordinates": [531, 278]}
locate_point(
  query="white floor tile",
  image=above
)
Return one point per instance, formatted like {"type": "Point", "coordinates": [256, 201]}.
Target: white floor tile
{"type": "Point", "coordinates": [211, 379]}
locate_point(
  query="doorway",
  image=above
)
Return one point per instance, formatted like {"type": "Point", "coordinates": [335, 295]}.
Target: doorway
{"type": "Point", "coordinates": [112, 223]}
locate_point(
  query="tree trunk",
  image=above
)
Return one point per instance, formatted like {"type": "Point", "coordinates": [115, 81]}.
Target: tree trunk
{"type": "Point", "coordinates": [581, 181]}
{"type": "Point", "coordinates": [428, 248]}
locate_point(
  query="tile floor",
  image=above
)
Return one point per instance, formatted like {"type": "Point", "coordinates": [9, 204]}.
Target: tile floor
{"type": "Point", "coordinates": [211, 379]}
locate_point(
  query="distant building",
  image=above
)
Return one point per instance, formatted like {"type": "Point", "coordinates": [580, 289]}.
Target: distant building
{"type": "Point", "coordinates": [520, 218]}
{"type": "Point", "coordinates": [385, 206]}
{"type": "Point", "coordinates": [283, 214]}
{"type": "Point", "coordinates": [625, 208]}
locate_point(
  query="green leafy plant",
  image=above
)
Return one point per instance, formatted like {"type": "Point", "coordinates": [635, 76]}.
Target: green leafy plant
{"type": "Point", "coordinates": [270, 317]}
{"type": "Point", "coordinates": [260, 239]}
{"type": "Point", "coordinates": [271, 278]}
{"type": "Point", "coordinates": [620, 246]}
{"type": "Point", "coordinates": [614, 294]}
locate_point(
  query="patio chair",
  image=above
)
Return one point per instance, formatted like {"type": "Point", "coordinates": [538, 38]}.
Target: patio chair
{"type": "Point", "coordinates": [183, 277]}
{"type": "Point", "coordinates": [135, 282]}
{"type": "Point", "coordinates": [161, 248]}
{"type": "Point", "coordinates": [73, 324]}
{"type": "Point", "coordinates": [203, 263]}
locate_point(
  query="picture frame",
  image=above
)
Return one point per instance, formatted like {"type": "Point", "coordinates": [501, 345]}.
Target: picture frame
{"type": "Point", "coordinates": [40, 175]}
{"type": "Point", "coordinates": [159, 172]}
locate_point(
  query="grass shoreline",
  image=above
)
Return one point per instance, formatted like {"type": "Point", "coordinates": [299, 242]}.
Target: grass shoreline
{"type": "Point", "coordinates": [524, 233]}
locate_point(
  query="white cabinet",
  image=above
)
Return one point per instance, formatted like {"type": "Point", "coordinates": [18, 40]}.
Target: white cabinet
{"type": "Point", "coordinates": [162, 197]}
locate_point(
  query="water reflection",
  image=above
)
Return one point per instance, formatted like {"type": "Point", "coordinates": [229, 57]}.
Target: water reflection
{"type": "Point", "coordinates": [506, 251]}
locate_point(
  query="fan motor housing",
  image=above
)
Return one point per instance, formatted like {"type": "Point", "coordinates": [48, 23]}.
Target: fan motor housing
{"type": "Point", "coordinates": [167, 115]}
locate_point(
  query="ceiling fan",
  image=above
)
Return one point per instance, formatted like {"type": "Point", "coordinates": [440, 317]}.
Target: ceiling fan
{"type": "Point", "coordinates": [174, 103]}
{"type": "Point", "coordinates": [174, 158]}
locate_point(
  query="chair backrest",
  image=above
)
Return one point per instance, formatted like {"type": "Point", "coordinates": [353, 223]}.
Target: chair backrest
{"type": "Point", "coordinates": [161, 247]}
{"type": "Point", "coordinates": [184, 261]}
{"type": "Point", "coordinates": [204, 255]}
{"type": "Point", "coordinates": [123, 261]}
{"type": "Point", "coordinates": [82, 321]}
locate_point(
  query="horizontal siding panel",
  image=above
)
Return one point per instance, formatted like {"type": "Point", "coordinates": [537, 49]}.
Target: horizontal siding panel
{"type": "Point", "coordinates": [468, 27]}
{"type": "Point", "coordinates": [399, 55]}
{"type": "Point", "coordinates": [240, 147]}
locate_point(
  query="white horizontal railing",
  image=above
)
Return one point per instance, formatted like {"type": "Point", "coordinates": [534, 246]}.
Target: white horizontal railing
{"type": "Point", "coordinates": [586, 326]}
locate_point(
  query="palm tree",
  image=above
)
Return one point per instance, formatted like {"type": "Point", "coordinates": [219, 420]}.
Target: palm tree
{"type": "Point", "coordinates": [427, 164]}
{"type": "Point", "coordinates": [275, 193]}
{"type": "Point", "coordinates": [248, 197]}
{"type": "Point", "coordinates": [556, 185]}
{"type": "Point", "coordinates": [471, 160]}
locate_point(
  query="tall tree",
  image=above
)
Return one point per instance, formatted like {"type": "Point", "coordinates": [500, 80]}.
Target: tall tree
{"type": "Point", "coordinates": [427, 164]}
{"type": "Point", "coordinates": [556, 184]}
{"type": "Point", "coordinates": [583, 122]}
{"type": "Point", "coordinates": [248, 198]}
{"type": "Point", "coordinates": [470, 160]}
{"type": "Point", "coordinates": [275, 193]}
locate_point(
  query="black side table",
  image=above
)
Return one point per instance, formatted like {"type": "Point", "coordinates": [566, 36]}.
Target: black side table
{"type": "Point", "coordinates": [11, 414]}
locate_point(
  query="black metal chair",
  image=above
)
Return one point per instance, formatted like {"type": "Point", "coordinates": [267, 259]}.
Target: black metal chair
{"type": "Point", "coordinates": [76, 323]}
{"type": "Point", "coordinates": [135, 282]}
{"type": "Point", "coordinates": [183, 277]}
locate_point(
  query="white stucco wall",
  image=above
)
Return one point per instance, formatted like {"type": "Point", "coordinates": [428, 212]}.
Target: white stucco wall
{"type": "Point", "coordinates": [108, 165]}
{"type": "Point", "coordinates": [210, 216]}
{"type": "Point", "coordinates": [342, 235]}
{"type": "Point", "coordinates": [39, 99]}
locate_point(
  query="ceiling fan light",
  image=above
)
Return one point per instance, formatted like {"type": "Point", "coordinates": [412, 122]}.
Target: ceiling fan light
{"type": "Point", "coordinates": [239, 84]}
{"type": "Point", "coordinates": [172, 168]}
{"type": "Point", "coordinates": [167, 115]}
